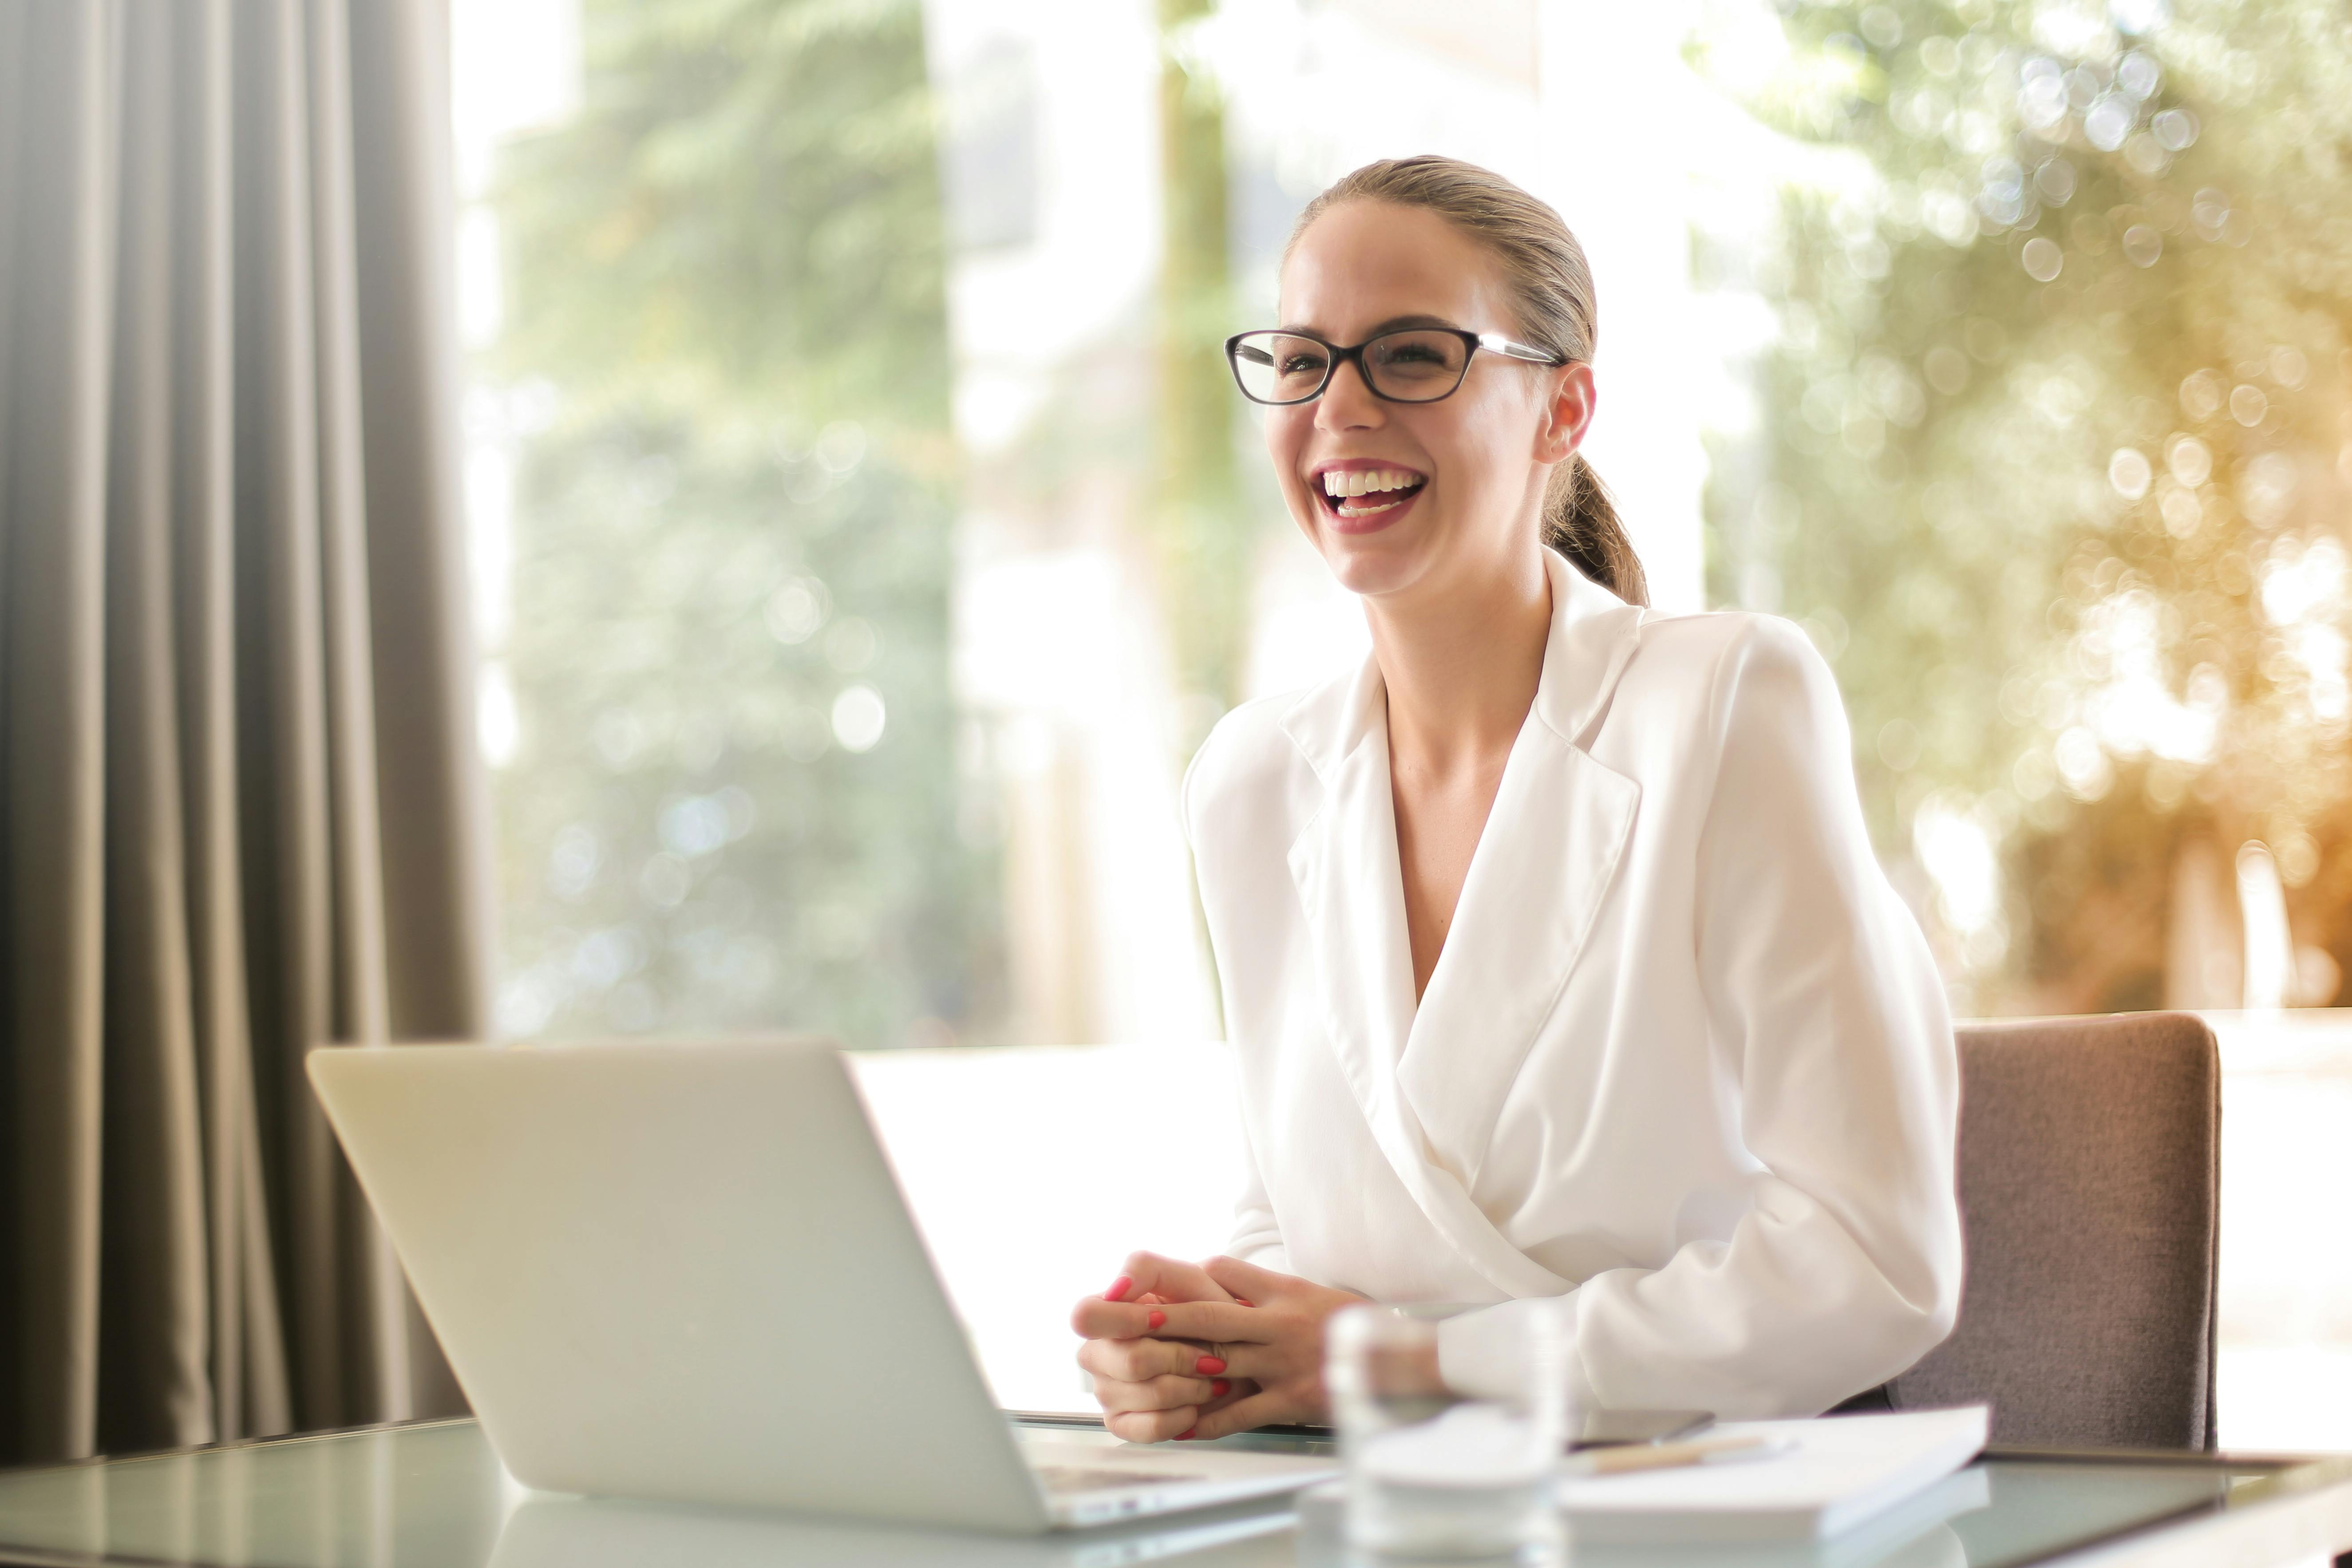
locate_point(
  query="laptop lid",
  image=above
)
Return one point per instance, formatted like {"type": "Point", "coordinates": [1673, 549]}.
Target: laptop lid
{"type": "Point", "coordinates": [678, 1271]}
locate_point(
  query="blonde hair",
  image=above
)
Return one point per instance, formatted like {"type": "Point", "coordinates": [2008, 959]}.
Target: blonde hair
{"type": "Point", "coordinates": [1552, 284]}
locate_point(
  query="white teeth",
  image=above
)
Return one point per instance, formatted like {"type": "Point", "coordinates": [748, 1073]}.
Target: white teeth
{"type": "Point", "coordinates": [1348, 482]}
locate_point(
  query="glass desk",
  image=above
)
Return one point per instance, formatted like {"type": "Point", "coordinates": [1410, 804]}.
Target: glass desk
{"type": "Point", "coordinates": [433, 1495]}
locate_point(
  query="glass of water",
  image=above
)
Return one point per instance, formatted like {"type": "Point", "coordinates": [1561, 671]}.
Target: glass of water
{"type": "Point", "coordinates": [1437, 1472]}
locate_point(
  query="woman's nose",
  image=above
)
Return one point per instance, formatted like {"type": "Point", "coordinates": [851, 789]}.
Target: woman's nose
{"type": "Point", "coordinates": [1347, 403]}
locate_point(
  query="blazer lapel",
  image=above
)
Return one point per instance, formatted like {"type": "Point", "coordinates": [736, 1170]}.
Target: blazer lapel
{"type": "Point", "coordinates": [1545, 860]}
{"type": "Point", "coordinates": [1344, 863]}
{"type": "Point", "coordinates": [1429, 1086]}
{"type": "Point", "coordinates": [1552, 841]}
{"type": "Point", "coordinates": [1351, 889]}
{"type": "Point", "coordinates": [1352, 893]}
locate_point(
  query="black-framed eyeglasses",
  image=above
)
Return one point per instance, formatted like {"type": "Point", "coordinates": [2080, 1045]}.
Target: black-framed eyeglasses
{"type": "Point", "coordinates": [1419, 364]}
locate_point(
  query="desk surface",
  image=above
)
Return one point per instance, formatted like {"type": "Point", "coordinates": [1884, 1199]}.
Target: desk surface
{"type": "Point", "coordinates": [433, 1495]}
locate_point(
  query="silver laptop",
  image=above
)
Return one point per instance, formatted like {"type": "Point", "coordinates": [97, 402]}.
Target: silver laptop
{"type": "Point", "coordinates": [684, 1272]}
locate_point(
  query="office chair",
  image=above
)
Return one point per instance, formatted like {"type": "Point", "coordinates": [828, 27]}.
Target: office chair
{"type": "Point", "coordinates": [2090, 1195]}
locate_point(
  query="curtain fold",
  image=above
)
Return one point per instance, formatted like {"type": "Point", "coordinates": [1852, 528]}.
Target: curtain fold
{"type": "Point", "coordinates": [239, 814]}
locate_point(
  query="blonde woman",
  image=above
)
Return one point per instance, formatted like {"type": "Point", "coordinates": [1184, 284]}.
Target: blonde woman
{"type": "Point", "coordinates": [1560, 973]}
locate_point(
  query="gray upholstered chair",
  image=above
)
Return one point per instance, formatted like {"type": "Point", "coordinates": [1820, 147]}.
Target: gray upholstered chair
{"type": "Point", "coordinates": [2090, 1195]}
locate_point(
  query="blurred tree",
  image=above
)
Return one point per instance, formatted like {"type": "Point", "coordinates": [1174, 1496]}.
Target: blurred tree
{"type": "Point", "coordinates": [2055, 457]}
{"type": "Point", "coordinates": [743, 219]}
{"type": "Point", "coordinates": [1204, 528]}
{"type": "Point", "coordinates": [733, 800]}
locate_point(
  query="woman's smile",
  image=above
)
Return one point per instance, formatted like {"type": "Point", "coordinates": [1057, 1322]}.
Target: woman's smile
{"type": "Point", "coordinates": [1364, 495]}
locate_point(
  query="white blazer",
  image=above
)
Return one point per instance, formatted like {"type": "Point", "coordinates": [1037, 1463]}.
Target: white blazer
{"type": "Point", "coordinates": [1684, 1073]}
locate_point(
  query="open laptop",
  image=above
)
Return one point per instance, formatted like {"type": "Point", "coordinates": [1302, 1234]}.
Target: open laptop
{"type": "Point", "coordinates": [684, 1272]}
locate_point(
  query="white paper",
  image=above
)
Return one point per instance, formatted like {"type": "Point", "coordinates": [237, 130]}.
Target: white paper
{"type": "Point", "coordinates": [1841, 1470]}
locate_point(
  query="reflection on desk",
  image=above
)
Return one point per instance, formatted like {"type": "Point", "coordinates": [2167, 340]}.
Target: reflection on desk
{"type": "Point", "coordinates": [432, 1495]}
{"type": "Point", "coordinates": [588, 1532]}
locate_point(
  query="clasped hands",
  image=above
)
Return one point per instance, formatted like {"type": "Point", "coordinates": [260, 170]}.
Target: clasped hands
{"type": "Point", "coordinates": [1205, 1349]}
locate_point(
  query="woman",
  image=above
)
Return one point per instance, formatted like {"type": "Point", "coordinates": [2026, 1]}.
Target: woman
{"type": "Point", "coordinates": [1559, 967]}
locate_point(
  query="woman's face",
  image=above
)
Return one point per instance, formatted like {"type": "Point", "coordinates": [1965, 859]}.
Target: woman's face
{"type": "Point", "coordinates": [1473, 465]}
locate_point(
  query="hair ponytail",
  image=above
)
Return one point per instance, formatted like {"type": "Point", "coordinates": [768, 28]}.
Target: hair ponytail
{"type": "Point", "coordinates": [1552, 284]}
{"type": "Point", "coordinates": [1580, 522]}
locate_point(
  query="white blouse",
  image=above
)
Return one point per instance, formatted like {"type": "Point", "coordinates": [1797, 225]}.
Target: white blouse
{"type": "Point", "coordinates": [1684, 1072]}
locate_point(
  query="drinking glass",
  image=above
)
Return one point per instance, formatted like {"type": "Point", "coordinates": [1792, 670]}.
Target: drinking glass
{"type": "Point", "coordinates": [1436, 1472]}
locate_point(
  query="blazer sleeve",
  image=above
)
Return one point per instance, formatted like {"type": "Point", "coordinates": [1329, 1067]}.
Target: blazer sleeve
{"type": "Point", "coordinates": [1255, 1239]}
{"type": "Point", "coordinates": [1823, 1003]}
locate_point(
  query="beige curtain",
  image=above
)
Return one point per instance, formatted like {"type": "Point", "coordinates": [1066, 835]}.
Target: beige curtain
{"type": "Point", "coordinates": [239, 816]}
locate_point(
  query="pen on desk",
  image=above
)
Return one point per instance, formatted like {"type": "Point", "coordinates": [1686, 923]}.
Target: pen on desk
{"type": "Point", "coordinates": [1674, 1455]}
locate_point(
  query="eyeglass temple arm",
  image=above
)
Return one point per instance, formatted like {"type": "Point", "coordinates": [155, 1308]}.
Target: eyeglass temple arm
{"type": "Point", "coordinates": [1495, 343]}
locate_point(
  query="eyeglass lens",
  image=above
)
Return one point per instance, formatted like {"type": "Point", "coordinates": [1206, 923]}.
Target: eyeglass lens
{"type": "Point", "coordinates": [1408, 367]}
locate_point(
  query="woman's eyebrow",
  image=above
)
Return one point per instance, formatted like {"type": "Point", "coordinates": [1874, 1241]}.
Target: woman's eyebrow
{"type": "Point", "coordinates": [1394, 324]}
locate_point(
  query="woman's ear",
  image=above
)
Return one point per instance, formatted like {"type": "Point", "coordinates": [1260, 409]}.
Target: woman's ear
{"type": "Point", "coordinates": [1568, 413]}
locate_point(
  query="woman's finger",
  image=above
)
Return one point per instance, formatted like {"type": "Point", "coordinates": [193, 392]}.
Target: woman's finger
{"type": "Point", "coordinates": [1227, 1391]}
{"type": "Point", "coordinates": [1151, 1425]}
{"type": "Point", "coordinates": [1132, 1361]}
{"type": "Point", "coordinates": [1215, 1321]}
{"type": "Point", "coordinates": [1095, 1318]}
{"type": "Point", "coordinates": [1239, 1278]}
{"type": "Point", "coordinates": [1241, 1414]}
{"type": "Point", "coordinates": [1157, 1394]}
{"type": "Point", "coordinates": [1235, 1359]}
{"type": "Point", "coordinates": [1169, 1278]}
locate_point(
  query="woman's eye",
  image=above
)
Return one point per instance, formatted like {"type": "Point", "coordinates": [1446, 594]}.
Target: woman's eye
{"type": "Point", "coordinates": [1302, 364]}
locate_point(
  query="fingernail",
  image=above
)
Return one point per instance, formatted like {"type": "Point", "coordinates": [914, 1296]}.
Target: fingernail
{"type": "Point", "coordinates": [1117, 1288]}
{"type": "Point", "coordinates": [1220, 1388]}
{"type": "Point", "coordinates": [1245, 1301]}
{"type": "Point", "coordinates": [1156, 1319]}
{"type": "Point", "coordinates": [1186, 1433]}
{"type": "Point", "coordinates": [1209, 1365]}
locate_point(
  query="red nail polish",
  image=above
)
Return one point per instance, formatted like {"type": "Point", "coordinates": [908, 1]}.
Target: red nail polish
{"type": "Point", "coordinates": [1186, 1433]}
{"type": "Point", "coordinates": [1209, 1365]}
{"type": "Point", "coordinates": [1244, 1301]}
{"type": "Point", "coordinates": [1156, 1319]}
{"type": "Point", "coordinates": [1117, 1288]}
{"type": "Point", "coordinates": [1220, 1388]}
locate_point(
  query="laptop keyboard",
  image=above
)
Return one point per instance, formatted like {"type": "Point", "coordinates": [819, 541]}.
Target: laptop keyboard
{"type": "Point", "coordinates": [1062, 1478]}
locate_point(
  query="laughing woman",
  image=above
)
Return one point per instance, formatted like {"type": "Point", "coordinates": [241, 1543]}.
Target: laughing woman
{"type": "Point", "coordinates": [1559, 970]}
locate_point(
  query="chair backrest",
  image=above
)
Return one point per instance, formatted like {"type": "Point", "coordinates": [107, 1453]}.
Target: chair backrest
{"type": "Point", "coordinates": [2090, 1195]}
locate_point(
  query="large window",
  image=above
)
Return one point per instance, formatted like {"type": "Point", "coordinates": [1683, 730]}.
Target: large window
{"type": "Point", "coordinates": [866, 533]}
{"type": "Point", "coordinates": [869, 533]}
{"type": "Point", "coordinates": [734, 789]}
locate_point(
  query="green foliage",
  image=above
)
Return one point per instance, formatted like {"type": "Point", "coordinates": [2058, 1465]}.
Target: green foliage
{"type": "Point", "coordinates": [2055, 457]}
{"type": "Point", "coordinates": [744, 216]}
{"type": "Point", "coordinates": [732, 540]}
{"type": "Point", "coordinates": [692, 845]}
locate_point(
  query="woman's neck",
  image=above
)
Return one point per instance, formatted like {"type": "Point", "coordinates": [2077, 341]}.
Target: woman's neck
{"type": "Point", "coordinates": [1462, 666]}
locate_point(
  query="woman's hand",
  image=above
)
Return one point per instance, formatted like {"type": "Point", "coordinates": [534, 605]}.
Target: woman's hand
{"type": "Point", "coordinates": [1271, 1334]}
{"type": "Point", "coordinates": [1259, 1332]}
{"type": "Point", "coordinates": [1150, 1388]}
